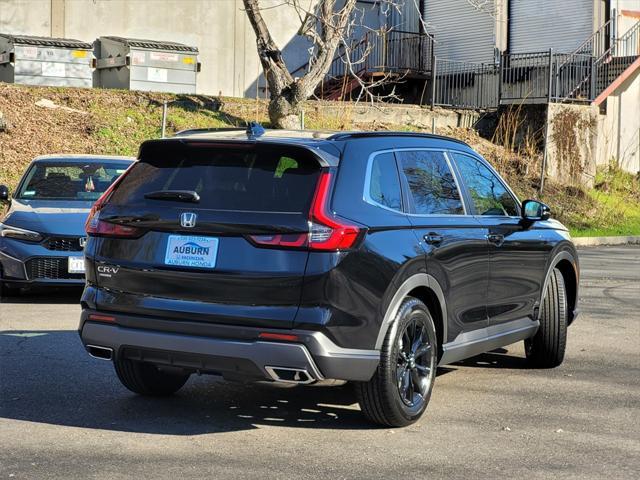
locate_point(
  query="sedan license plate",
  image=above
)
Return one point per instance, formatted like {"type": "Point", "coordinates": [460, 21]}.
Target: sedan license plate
{"type": "Point", "coordinates": [75, 264]}
{"type": "Point", "coordinates": [191, 251]}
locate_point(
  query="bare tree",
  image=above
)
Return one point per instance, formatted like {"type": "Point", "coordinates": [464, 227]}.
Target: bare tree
{"type": "Point", "coordinates": [325, 26]}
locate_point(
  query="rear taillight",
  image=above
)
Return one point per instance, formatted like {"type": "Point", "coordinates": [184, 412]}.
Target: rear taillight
{"type": "Point", "coordinates": [108, 229]}
{"type": "Point", "coordinates": [326, 231]}
{"type": "Point", "coordinates": [294, 240]}
{"type": "Point", "coordinates": [99, 228]}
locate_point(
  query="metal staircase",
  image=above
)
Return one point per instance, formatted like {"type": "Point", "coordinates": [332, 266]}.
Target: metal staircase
{"type": "Point", "coordinates": [606, 63]}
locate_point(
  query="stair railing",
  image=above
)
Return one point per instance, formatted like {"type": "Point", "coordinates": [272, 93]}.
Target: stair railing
{"type": "Point", "coordinates": [617, 56]}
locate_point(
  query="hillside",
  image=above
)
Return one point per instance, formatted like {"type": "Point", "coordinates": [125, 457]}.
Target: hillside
{"type": "Point", "coordinates": [65, 120]}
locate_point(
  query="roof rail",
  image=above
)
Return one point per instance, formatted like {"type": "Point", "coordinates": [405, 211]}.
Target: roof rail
{"type": "Point", "coordinates": [347, 135]}
{"type": "Point", "coordinates": [191, 131]}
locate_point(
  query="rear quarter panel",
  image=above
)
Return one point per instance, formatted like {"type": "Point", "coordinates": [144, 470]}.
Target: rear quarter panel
{"type": "Point", "coordinates": [346, 294]}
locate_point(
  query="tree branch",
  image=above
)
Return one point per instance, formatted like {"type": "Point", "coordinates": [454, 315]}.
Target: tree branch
{"type": "Point", "coordinates": [269, 53]}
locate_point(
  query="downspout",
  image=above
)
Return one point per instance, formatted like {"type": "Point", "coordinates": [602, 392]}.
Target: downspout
{"type": "Point", "coordinates": [58, 18]}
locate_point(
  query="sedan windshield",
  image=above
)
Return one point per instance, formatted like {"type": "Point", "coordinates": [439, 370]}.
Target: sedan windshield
{"type": "Point", "coordinates": [69, 181]}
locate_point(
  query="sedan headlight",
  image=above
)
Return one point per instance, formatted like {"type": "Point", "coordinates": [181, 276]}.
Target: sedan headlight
{"type": "Point", "coordinates": [19, 233]}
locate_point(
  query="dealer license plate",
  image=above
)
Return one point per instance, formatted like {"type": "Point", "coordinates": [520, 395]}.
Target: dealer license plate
{"type": "Point", "coordinates": [191, 251]}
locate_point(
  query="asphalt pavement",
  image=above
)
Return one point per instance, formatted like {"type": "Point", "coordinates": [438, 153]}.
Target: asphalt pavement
{"type": "Point", "coordinates": [65, 415]}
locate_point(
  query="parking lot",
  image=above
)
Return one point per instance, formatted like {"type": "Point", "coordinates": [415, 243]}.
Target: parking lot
{"type": "Point", "coordinates": [65, 415]}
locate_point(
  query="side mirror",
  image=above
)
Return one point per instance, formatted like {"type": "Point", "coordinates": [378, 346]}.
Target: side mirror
{"type": "Point", "coordinates": [4, 193]}
{"type": "Point", "coordinates": [534, 211]}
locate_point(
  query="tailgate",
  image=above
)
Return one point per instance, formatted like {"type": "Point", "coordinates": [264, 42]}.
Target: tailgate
{"type": "Point", "coordinates": [194, 257]}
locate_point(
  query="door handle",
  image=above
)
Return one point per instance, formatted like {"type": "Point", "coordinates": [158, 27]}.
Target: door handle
{"type": "Point", "coordinates": [496, 238]}
{"type": "Point", "coordinates": [433, 239]}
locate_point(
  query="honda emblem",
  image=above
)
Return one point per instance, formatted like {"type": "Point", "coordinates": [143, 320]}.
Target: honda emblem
{"type": "Point", "coordinates": [188, 219]}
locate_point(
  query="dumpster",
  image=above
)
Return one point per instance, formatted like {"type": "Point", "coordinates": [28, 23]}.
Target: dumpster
{"type": "Point", "coordinates": [58, 62]}
{"type": "Point", "coordinates": [148, 65]}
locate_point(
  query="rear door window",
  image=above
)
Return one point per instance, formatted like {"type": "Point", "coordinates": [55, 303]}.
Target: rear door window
{"type": "Point", "coordinates": [254, 178]}
{"type": "Point", "coordinates": [431, 183]}
{"type": "Point", "coordinates": [384, 182]}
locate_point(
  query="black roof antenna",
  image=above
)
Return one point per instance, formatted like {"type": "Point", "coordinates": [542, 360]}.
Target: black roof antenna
{"type": "Point", "coordinates": [254, 130]}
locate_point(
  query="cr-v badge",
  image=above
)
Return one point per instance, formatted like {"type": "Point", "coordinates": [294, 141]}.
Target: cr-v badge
{"type": "Point", "coordinates": [188, 219]}
{"type": "Point", "coordinates": [107, 270]}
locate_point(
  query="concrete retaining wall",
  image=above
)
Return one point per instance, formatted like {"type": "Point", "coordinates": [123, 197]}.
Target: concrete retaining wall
{"type": "Point", "coordinates": [572, 143]}
{"type": "Point", "coordinates": [412, 116]}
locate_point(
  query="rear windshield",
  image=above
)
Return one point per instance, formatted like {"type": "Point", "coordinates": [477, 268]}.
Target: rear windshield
{"type": "Point", "coordinates": [242, 178]}
{"type": "Point", "coordinates": [69, 181]}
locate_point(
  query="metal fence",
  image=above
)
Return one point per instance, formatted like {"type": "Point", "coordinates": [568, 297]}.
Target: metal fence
{"type": "Point", "coordinates": [575, 77]}
{"type": "Point", "coordinates": [525, 76]}
{"type": "Point", "coordinates": [534, 77]}
{"type": "Point", "coordinates": [464, 84]}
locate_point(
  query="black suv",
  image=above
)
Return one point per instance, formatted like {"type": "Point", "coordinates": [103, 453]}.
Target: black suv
{"type": "Point", "coordinates": [297, 257]}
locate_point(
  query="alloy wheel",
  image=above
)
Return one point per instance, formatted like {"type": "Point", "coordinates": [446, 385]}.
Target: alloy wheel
{"type": "Point", "coordinates": [415, 362]}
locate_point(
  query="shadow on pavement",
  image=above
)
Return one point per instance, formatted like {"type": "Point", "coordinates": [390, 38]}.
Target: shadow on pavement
{"type": "Point", "coordinates": [58, 295]}
{"type": "Point", "coordinates": [47, 377]}
{"type": "Point", "coordinates": [497, 358]}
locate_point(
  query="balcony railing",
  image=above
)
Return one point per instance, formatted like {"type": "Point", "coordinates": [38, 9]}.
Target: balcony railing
{"type": "Point", "coordinates": [393, 51]}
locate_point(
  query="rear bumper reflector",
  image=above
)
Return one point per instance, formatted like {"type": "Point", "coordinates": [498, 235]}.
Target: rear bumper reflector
{"type": "Point", "coordinates": [102, 318]}
{"type": "Point", "coordinates": [279, 336]}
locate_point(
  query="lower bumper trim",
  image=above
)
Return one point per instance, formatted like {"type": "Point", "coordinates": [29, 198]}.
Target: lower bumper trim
{"type": "Point", "coordinates": [227, 357]}
{"type": "Point", "coordinates": [226, 349]}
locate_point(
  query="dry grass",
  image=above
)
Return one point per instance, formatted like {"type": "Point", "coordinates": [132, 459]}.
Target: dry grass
{"type": "Point", "coordinates": [116, 122]}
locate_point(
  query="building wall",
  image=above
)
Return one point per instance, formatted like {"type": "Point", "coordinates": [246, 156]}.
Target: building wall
{"type": "Point", "coordinates": [26, 17]}
{"type": "Point", "coordinates": [627, 14]}
{"type": "Point", "coordinates": [619, 128]}
{"type": "Point", "coordinates": [219, 28]}
{"type": "Point", "coordinates": [463, 32]}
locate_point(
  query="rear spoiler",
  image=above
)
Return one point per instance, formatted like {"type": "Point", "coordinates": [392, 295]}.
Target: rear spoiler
{"type": "Point", "coordinates": [323, 152]}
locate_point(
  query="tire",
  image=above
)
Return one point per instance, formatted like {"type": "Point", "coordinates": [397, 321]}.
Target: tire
{"type": "Point", "coordinates": [546, 349]}
{"type": "Point", "coordinates": [399, 391]}
{"type": "Point", "coordinates": [146, 379]}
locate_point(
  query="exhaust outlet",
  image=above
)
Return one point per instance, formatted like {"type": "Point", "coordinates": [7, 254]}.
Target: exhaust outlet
{"type": "Point", "coordinates": [299, 376]}
{"type": "Point", "coordinates": [101, 353]}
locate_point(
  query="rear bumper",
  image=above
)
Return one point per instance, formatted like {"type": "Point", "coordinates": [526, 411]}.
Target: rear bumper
{"type": "Point", "coordinates": [236, 353]}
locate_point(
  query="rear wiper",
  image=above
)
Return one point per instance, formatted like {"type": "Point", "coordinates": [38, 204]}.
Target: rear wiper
{"type": "Point", "coordinates": [179, 195]}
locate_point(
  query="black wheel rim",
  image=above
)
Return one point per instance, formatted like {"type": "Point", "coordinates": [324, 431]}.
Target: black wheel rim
{"type": "Point", "coordinates": [415, 363]}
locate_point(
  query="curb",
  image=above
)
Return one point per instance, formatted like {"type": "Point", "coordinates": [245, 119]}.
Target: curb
{"type": "Point", "coordinates": [596, 241]}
